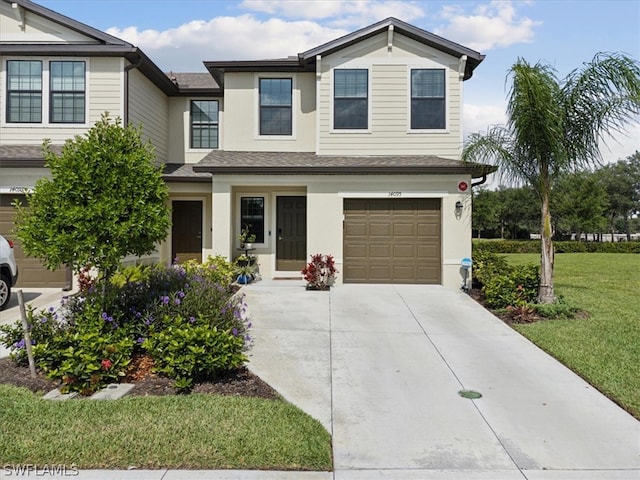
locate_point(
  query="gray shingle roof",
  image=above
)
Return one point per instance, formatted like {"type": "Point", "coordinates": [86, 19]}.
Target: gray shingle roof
{"type": "Point", "coordinates": [183, 172]}
{"type": "Point", "coordinates": [24, 155]}
{"type": "Point", "coordinates": [220, 162]}
{"type": "Point", "coordinates": [193, 80]}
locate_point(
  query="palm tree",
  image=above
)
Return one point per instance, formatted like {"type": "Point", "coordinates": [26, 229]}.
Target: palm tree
{"type": "Point", "coordinates": [554, 126]}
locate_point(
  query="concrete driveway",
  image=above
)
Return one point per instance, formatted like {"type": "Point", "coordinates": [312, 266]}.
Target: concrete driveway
{"type": "Point", "coordinates": [381, 367]}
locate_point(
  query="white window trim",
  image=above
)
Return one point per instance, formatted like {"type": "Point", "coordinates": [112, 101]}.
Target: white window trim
{"type": "Point", "coordinates": [187, 125]}
{"type": "Point", "coordinates": [294, 105]}
{"type": "Point", "coordinates": [447, 111]}
{"type": "Point", "coordinates": [46, 93]}
{"type": "Point", "coordinates": [266, 224]}
{"type": "Point", "coordinates": [359, 131]}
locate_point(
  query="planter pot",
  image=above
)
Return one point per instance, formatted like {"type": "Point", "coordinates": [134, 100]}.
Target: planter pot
{"type": "Point", "coordinates": [243, 279]}
{"type": "Point", "coordinates": [320, 289]}
{"type": "Point", "coordinates": [248, 245]}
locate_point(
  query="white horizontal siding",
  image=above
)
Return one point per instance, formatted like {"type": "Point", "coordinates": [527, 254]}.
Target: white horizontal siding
{"type": "Point", "coordinates": [149, 107]}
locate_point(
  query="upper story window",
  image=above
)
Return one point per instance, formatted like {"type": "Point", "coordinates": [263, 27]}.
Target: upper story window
{"type": "Point", "coordinates": [350, 98]}
{"type": "Point", "coordinates": [428, 100]}
{"type": "Point", "coordinates": [67, 91]}
{"type": "Point", "coordinates": [24, 91]}
{"type": "Point", "coordinates": [204, 124]}
{"type": "Point", "coordinates": [276, 106]}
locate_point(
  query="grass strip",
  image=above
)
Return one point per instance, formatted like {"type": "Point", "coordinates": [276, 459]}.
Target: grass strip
{"type": "Point", "coordinates": [605, 347]}
{"type": "Point", "coordinates": [198, 431]}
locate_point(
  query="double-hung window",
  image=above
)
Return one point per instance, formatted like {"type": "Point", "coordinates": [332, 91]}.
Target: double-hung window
{"type": "Point", "coordinates": [252, 216]}
{"type": "Point", "coordinates": [351, 98]}
{"type": "Point", "coordinates": [67, 92]}
{"type": "Point", "coordinates": [204, 124]}
{"type": "Point", "coordinates": [24, 91]}
{"type": "Point", "coordinates": [428, 100]}
{"type": "Point", "coordinates": [276, 106]}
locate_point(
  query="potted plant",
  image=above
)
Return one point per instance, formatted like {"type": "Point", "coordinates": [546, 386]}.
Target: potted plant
{"type": "Point", "coordinates": [246, 238]}
{"type": "Point", "coordinates": [245, 274]}
{"type": "Point", "coordinates": [320, 272]}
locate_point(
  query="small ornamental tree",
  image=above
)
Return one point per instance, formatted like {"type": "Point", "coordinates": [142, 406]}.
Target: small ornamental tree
{"type": "Point", "coordinates": [105, 200]}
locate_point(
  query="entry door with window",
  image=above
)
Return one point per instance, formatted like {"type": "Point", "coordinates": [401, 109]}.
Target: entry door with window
{"type": "Point", "coordinates": [186, 230]}
{"type": "Point", "coordinates": [291, 233]}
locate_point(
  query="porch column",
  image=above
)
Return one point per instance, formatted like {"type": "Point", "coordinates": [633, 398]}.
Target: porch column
{"type": "Point", "coordinates": [221, 210]}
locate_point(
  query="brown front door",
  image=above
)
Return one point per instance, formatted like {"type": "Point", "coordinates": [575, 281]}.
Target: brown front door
{"type": "Point", "coordinates": [186, 230]}
{"type": "Point", "coordinates": [291, 233]}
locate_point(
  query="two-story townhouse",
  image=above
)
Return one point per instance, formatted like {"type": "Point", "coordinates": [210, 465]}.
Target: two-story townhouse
{"type": "Point", "coordinates": [351, 148]}
{"type": "Point", "coordinates": [57, 77]}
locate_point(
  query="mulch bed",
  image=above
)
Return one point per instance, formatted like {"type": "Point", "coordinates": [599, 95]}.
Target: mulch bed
{"type": "Point", "coordinates": [240, 382]}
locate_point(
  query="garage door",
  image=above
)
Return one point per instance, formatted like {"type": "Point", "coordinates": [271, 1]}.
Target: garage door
{"type": "Point", "coordinates": [32, 272]}
{"type": "Point", "coordinates": [392, 240]}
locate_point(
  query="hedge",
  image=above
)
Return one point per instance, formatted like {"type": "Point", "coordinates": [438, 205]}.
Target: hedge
{"type": "Point", "coordinates": [533, 246]}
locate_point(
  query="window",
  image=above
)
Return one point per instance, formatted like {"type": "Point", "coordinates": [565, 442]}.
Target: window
{"type": "Point", "coordinates": [204, 124]}
{"type": "Point", "coordinates": [24, 91]}
{"type": "Point", "coordinates": [67, 92]}
{"type": "Point", "coordinates": [252, 216]}
{"type": "Point", "coordinates": [428, 107]}
{"type": "Point", "coordinates": [350, 98]}
{"type": "Point", "coordinates": [275, 106]}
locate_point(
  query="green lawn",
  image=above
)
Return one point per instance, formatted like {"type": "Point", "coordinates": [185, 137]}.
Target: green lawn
{"type": "Point", "coordinates": [605, 347]}
{"type": "Point", "coordinates": [197, 431]}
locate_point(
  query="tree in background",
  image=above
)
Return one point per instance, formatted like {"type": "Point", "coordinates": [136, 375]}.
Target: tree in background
{"type": "Point", "coordinates": [622, 183]}
{"type": "Point", "coordinates": [554, 127]}
{"type": "Point", "coordinates": [105, 200]}
{"type": "Point", "coordinates": [579, 201]}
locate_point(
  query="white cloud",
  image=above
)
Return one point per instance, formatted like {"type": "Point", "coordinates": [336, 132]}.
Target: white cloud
{"type": "Point", "coordinates": [494, 25]}
{"type": "Point", "coordinates": [478, 118]}
{"type": "Point", "coordinates": [339, 13]}
{"type": "Point", "coordinates": [184, 48]}
{"type": "Point", "coordinates": [620, 145]}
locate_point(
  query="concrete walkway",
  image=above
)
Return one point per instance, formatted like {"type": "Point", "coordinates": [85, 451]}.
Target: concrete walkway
{"type": "Point", "coordinates": [381, 367]}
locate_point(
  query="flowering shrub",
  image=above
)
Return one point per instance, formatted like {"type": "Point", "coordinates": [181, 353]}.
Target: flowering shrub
{"type": "Point", "coordinates": [320, 272]}
{"type": "Point", "coordinates": [89, 341]}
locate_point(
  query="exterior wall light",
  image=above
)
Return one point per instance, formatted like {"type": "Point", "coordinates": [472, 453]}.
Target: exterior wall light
{"type": "Point", "coordinates": [459, 207]}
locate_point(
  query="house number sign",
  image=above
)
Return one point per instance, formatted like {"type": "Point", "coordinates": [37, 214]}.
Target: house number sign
{"type": "Point", "coordinates": [395, 194]}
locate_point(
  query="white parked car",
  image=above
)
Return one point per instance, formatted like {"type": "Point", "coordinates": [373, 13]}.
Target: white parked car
{"type": "Point", "coordinates": [8, 271]}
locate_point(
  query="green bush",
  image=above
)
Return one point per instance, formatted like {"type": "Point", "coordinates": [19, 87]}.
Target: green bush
{"type": "Point", "coordinates": [514, 287]}
{"type": "Point", "coordinates": [533, 246]}
{"type": "Point", "coordinates": [487, 265]}
{"type": "Point", "coordinates": [192, 350]}
{"type": "Point", "coordinates": [89, 341]}
{"type": "Point", "coordinates": [84, 362]}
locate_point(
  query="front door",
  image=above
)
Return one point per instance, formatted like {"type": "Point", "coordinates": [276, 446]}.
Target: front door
{"type": "Point", "coordinates": [291, 238]}
{"type": "Point", "coordinates": [186, 230]}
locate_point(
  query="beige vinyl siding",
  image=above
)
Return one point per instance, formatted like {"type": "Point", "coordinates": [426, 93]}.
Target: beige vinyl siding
{"type": "Point", "coordinates": [103, 93]}
{"type": "Point", "coordinates": [149, 106]}
{"type": "Point", "coordinates": [241, 117]}
{"type": "Point", "coordinates": [389, 127]}
{"type": "Point", "coordinates": [37, 29]}
{"type": "Point", "coordinates": [105, 88]}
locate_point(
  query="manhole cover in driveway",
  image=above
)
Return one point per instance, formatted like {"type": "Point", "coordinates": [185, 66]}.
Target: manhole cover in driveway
{"type": "Point", "coordinates": [471, 394]}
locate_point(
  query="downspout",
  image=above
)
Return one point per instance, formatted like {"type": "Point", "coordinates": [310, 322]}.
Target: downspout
{"type": "Point", "coordinates": [125, 112]}
{"type": "Point", "coordinates": [484, 179]}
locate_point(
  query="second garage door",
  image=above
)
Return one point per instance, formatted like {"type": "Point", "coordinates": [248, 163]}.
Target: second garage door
{"type": "Point", "coordinates": [31, 271]}
{"type": "Point", "coordinates": [392, 240]}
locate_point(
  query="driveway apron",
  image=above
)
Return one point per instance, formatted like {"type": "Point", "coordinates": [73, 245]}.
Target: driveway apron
{"type": "Point", "coordinates": [381, 366]}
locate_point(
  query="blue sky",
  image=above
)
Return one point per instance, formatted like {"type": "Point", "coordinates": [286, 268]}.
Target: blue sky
{"type": "Point", "coordinates": [179, 34]}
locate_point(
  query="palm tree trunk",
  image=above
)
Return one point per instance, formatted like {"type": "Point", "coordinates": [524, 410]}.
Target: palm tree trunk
{"type": "Point", "coordinates": [545, 289]}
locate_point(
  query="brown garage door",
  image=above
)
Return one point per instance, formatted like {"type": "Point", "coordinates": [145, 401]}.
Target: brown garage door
{"type": "Point", "coordinates": [32, 272]}
{"type": "Point", "coordinates": [392, 240]}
